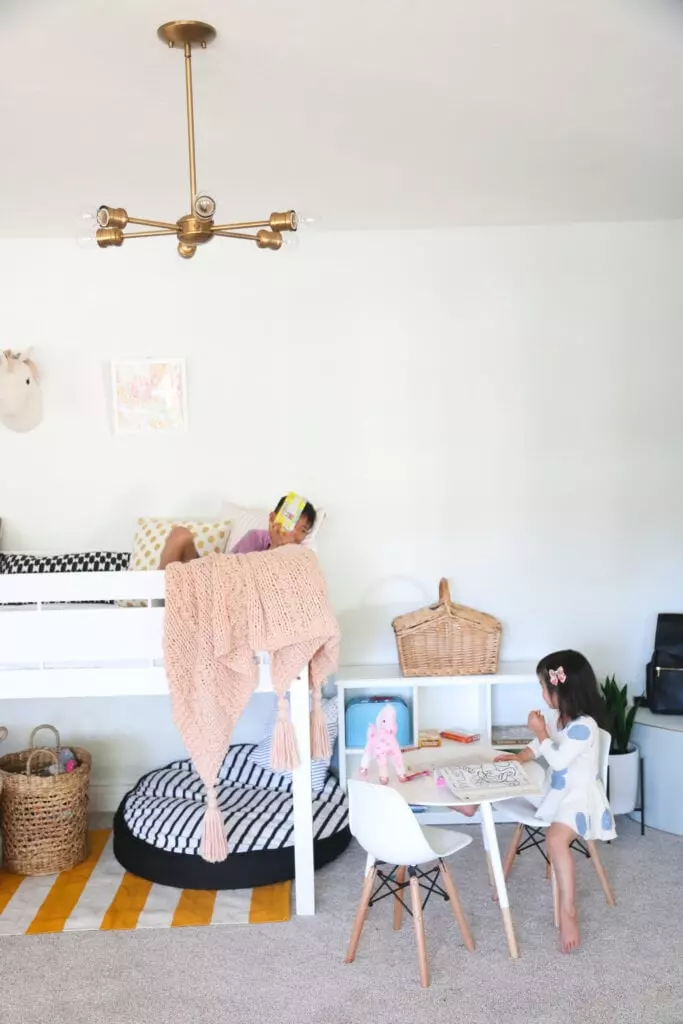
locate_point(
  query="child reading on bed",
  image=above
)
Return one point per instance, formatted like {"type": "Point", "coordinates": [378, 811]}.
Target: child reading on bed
{"type": "Point", "coordinates": [180, 546]}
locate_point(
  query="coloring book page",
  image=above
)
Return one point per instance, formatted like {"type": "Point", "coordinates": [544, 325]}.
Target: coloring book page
{"type": "Point", "coordinates": [480, 781]}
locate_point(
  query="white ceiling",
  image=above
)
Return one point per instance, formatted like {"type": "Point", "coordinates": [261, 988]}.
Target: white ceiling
{"type": "Point", "coordinates": [367, 113]}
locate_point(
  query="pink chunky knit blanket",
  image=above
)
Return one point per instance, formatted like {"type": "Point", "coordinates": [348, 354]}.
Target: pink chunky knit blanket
{"type": "Point", "coordinates": [220, 610]}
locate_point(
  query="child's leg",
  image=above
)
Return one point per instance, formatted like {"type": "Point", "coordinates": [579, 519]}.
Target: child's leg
{"type": "Point", "coordinates": [179, 547]}
{"type": "Point", "coordinates": [558, 840]}
{"type": "Point", "coordinates": [469, 810]}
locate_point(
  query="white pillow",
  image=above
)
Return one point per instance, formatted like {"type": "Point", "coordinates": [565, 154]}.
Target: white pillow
{"type": "Point", "coordinates": [260, 755]}
{"type": "Point", "coordinates": [246, 519]}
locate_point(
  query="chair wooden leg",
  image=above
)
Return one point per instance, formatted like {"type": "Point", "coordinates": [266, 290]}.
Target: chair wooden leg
{"type": "Point", "coordinates": [512, 851]}
{"type": "Point", "coordinates": [600, 872]}
{"type": "Point", "coordinates": [418, 924]}
{"type": "Point", "coordinates": [398, 905]}
{"type": "Point", "coordinates": [456, 906]}
{"type": "Point", "coordinates": [361, 914]}
{"type": "Point", "coordinates": [556, 899]}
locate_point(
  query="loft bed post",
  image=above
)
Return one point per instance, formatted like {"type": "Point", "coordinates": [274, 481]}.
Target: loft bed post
{"type": "Point", "coordinates": [303, 799]}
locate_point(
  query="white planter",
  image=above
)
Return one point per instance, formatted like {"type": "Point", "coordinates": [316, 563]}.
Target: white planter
{"type": "Point", "coordinates": [623, 780]}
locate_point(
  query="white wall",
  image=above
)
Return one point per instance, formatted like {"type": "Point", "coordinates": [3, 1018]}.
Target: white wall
{"type": "Point", "coordinates": [500, 406]}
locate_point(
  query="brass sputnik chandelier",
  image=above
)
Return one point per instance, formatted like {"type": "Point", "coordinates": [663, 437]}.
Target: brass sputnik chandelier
{"type": "Point", "coordinates": [196, 227]}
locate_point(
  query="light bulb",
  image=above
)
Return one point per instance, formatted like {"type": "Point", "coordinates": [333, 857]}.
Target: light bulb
{"type": "Point", "coordinates": [86, 229]}
{"type": "Point", "coordinates": [306, 222]}
{"type": "Point", "coordinates": [291, 241]}
{"type": "Point", "coordinates": [204, 206]}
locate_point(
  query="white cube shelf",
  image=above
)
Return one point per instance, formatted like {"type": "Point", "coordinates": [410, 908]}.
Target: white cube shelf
{"type": "Point", "coordinates": [477, 703]}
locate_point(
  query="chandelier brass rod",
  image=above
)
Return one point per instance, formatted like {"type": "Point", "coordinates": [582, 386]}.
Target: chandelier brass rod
{"type": "Point", "coordinates": [190, 124]}
{"type": "Point", "coordinates": [152, 223]}
{"type": "Point", "coordinates": [234, 234]}
{"type": "Point", "coordinates": [243, 224]}
{"type": "Point", "coordinates": [150, 234]}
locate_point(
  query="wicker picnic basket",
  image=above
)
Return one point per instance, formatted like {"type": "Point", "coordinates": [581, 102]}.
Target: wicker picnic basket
{"type": "Point", "coordinates": [447, 639]}
{"type": "Point", "coordinates": [44, 819]}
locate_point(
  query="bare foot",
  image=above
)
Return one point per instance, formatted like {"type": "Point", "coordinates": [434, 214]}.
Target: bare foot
{"type": "Point", "coordinates": [469, 810]}
{"type": "Point", "coordinates": [569, 930]}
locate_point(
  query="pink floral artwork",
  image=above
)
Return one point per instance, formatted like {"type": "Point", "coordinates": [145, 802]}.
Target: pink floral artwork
{"type": "Point", "coordinates": [149, 395]}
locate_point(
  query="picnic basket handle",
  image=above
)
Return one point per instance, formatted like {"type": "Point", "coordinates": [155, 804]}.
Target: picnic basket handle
{"type": "Point", "coordinates": [38, 728]}
{"type": "Point", "coordinates": [40, 750]}
{"type": "Point", "coordinates": [445, 595]}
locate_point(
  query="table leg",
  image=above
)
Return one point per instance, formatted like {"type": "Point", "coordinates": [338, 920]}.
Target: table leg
{"type": "Point", "coordinates": [489, 830]}
{"type": "Point", "coordinates": [485, 841]}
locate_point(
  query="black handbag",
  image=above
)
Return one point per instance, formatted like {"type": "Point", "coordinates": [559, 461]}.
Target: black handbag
{"type": "Point", "coordinates": [664, 679]}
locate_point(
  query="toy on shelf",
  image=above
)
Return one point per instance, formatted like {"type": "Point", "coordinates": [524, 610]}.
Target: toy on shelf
{"type": "Point", "coordinates": [428, 738]}
{"type": "Point", "coordinates": [382, 746]}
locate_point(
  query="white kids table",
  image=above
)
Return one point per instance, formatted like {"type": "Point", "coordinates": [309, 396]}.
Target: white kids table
{"type": "Point", "coordinates": [424, 792]}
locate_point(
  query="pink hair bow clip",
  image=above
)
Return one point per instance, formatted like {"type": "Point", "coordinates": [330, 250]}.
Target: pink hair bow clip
{"type": "Point", "coordinates": [556, 675]}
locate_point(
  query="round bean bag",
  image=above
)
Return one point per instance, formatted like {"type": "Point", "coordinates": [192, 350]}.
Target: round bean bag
{"type": "Point", "coordinates": [157, 828]}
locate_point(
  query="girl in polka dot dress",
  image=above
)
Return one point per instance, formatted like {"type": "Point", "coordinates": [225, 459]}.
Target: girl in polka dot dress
{"type": "Point", "coordinates": [573, 797]}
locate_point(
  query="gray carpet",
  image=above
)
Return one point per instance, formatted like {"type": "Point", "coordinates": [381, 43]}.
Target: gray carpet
{"type": "Point", "coordinates": [628, 970]}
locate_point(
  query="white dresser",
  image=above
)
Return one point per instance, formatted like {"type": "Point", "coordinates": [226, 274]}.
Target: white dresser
{"type": "Point", "coordinates": [660, 739]}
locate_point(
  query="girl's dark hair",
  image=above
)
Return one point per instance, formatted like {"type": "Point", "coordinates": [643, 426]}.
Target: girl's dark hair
{"type": "Point", "coordinates": [579, 693]}
{"type": "Point", "coordinates": [309, 511]}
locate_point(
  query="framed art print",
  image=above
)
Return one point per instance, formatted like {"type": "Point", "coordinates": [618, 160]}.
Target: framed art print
{"type": "Point", "coordinates": [149, 395]}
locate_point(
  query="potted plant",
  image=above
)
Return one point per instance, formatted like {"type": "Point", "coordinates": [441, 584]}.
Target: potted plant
{"type": "Point", "coordinates": [623, 755]}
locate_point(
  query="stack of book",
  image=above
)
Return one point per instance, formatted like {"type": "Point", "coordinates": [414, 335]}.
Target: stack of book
{"type": "Point", "coordinates": [511, 735]}
{"type": "Point", "coordinates": [428, 738]}
{"type": "Point", "coordinates": [460, 735]}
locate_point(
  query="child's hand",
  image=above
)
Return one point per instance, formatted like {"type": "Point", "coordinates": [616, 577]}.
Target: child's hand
{"type": "Point", "coordinates": [536, 723]}
{"type": "Point", "coordinates": [506, 757]}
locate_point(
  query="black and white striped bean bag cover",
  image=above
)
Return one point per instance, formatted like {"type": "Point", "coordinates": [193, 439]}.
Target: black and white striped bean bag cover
{"type": "Point", "coordinates": [157, 828]}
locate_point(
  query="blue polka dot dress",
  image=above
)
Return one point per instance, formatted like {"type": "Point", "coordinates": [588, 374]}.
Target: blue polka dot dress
{"type": "Point", "coordinates": [573, 793]}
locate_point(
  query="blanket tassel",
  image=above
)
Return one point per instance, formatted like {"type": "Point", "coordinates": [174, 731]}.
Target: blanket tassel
{"type": "Point", "coordinates": [214, 845]}
{"type": "Point", "coordinates": [320, 739]}
{"type": "Point", "coordinates": [283, 754]}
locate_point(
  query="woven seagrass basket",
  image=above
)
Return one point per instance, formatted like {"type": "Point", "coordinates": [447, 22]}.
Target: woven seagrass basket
{"type": "Point", "coordinates": [44, 819]}
{"type": "Point", "coordinates": [447, 639]}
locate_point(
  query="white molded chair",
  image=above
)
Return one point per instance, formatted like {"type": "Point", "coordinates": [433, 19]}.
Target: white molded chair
{"type": "Point", "coordinates": [388, 831]}
{"type": "Point", "coordinates": [523, 813]}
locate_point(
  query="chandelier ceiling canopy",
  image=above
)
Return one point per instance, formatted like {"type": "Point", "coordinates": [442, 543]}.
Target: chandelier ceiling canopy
{"type": "Point", "coordinates": [197, 227]}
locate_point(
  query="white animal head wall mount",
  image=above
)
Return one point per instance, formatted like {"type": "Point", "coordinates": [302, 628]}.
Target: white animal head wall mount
{"type": "Point", "coordinates": [21, 400]}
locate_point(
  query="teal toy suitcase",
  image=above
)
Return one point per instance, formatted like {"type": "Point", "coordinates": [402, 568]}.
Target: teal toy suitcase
{"type": "Point", "coordinates": [362, 712]}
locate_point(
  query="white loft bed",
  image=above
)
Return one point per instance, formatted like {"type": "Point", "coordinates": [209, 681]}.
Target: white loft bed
{"type": "Point", "coordinates": [71, 649]}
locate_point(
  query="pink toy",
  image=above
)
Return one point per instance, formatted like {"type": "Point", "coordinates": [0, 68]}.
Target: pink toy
{"type": "Point", "coordinates": [382, 745]}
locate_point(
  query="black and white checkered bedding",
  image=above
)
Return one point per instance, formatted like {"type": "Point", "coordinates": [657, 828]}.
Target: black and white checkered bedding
{"type": "Point", "coordinates": [166, 808]}
{"type": "Point", "coordinates": [83, 561]}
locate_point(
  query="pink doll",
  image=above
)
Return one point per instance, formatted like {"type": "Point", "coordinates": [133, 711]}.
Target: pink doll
{"type": "Point", "coordinates": [382, 745]}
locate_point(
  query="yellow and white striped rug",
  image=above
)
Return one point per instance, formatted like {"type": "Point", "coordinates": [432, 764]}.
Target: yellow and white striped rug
{"type": "Point", "coordinates": [99, 895]}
